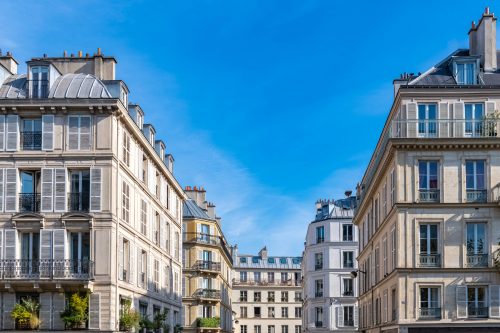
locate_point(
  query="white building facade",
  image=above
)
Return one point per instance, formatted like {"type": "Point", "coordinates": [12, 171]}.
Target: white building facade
{"type": "Point", "coordinates": [330, 253]}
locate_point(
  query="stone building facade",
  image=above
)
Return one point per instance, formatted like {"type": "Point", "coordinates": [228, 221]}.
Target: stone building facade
{"type": "Point", "coordinates": [88, 199]}
{"type": "Point", "coordinates": [428, 213]}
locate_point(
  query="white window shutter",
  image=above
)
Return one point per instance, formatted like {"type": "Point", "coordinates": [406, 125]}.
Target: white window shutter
{"type": "Point", "coordinates": [162, 232]}
{"type": "Point", "coordinates": [60, 190]}
{"type": "Point", "coordinates": [95, 189]}
{"type": "Point", "coordinates": [490, 108]}
{"type": "Point", "coordinates": [443, 120]}
{"type": "Point", "coordinates": [73, 132]}
{"type": "Point", "coordinates": [461, 301]}
{"type": "Point", "coordinates": [1, 190]}
{"type": "Point", "coordinates": [139, 163]}
{"type": "Point", "coordinates": [120, 257]}
{"type": "Point", "coordinates": [47, 189]}
{"type": "Point", "coordinates": [458, 113]}
{"type": "Point", "coordinates": [340, 316]}
{"type": "Point", "coordinates": [356, 316]}
{"type": "Point", "coordinates": [85, 133]}
{"type": "Point", "coordinates": [58, 305]}
{"type": "Point", "coordinates": [139, 265]}
{"type": "Point", "coordinates": [12, 122]}
{"type": "Point", "coordinates": [1, 244]}
{"type": "Point", "coordinates": [95, 311]}
{"type": "Point", "coordinates": [495, 301]}
{"type": "Point", "coordinates": [10, 190]}
{"type": "Point", "coordinates": [131, 276]}
{"type": "Point", "coordinates": [59, 238]}
{"type": "Point", "coordinates": [151, 177]}
{"type": "Point", "coordinates": [45, 310]}
{"type": "Point", "coordinates": [411, 116]}
{"type": "Point", "coordinates": [2, 132]}
{"type": "Point", "coordinates": [47, 132]}
{"type": "Point", "coordinates": [45, 244]}
{"type": "Point", "coordinates": [10, 244]}
{"type": "Point", "coordinates": [9, 301]}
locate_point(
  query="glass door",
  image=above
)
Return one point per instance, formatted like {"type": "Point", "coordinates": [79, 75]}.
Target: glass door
{"type": "Point", "coordinates": [427, 115]}
{"type": "Point", "coordinates": [79, 190]}
{"type": "Point", "coordinates": [474, 117]}
{"type": "Point", "coordinates": [30, 253]}
{"type": "Point", "coordinates": [79, 252]}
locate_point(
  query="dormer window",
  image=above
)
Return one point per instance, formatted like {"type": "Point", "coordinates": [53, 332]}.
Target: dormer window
{"type": "Point", "coordinates": [465, 72]}
{"type": "Point", "coordinates": [140, 120]}
{"type": "Point", "coordinates": [39, 81]}
{"type": "Point", "coordinates": [151, 137]}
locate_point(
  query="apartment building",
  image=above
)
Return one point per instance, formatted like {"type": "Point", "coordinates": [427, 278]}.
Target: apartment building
{"type": "Point", "coordinates": [88, 199]}
{"type": "Point", "coordinates": [428, 211]}
{"type": "Point", "coordinates": [331, 248]}
{"type": "Point", "coordinates": [267, 293]}
{"type": "Point", "coordinates": [208, 264]}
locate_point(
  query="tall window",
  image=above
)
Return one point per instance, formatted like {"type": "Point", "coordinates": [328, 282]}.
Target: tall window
{"type": "Point", "coordinates": [298, 312]}
{"type": "Point", "coordinates": [156, 276]}
{"type": "Point", "coordinates": [476, 244]}
{"type": "Point", "coordinates": [243, 276]}
{"type": "Point", "coordinates": [243, 312]}
{"type": "Point", "coordinates": [243, 295]}
{"type": "Point", "coordinates": [167, 237]}
{"type": "Point", "coordinates": [474, 121]}
{"type": "Point", "coordinates": [79, 136]}
{"type": "Point", "coordinates": [80, 252]}
{"type": "Point", "coordinates": [298, 329]}
{"type": "Point", "coordinates": [320, 234]}
{"type": "Point", "coordinates": [393, 248]}
{"type": "Point", "coordinates": [393, 187]}
{"type": "Point", "coordinates": [257, 296]}
{"type": "Point", "coordinates": [256, 312]}
{"type": "Point", "coordinates": [465, 73]}
{"type": "Point", "coordinates": [428, 181]}
{"type": "Point", "coordinates": [348, 315]}
{"type": "Point", "coordinates": [126, 148]}
{"type": "Point", "coordinates": [318, 316]}
{"type": "Point", "coordinates": [143, 265]}
{"type": "Point", "coordinates": [347, 233]}
{"type": "Point", "coordinates": [284, 277]}
{"type": "Point", "coordinates": [79, 195]}
{"type": "Point", "coordinates": [429, 302]}
{"type": "Point", "coordinates": [318, 261]}
{"type": "Point", "coordinates": [475, 180]}
{"type": "Point", "coordinates": [284, 328]}
{"type": "Point", "coordinates": [256, 276]}
{"type": "Point", "coordinates": [243, 329]}
{"type": "Point", "coordinates": [348, 257]}
{"type": "Point", "coordinates": [284, 296]}
{"type": "Point", "coordinates": [125, 202]}
{"type": "Point", "coordinates": [176, 245]}
{"type": "Point", "coordinates": [256, 328]}
{"type": "Point", "coordinates": [40, 82]}
{"type": "Point", "coordinates": [31, 135]}
{"type": "Point", "coordinates": [270, 328]}
{"type": "Point", "coordinates": [270, 312]}
{"type": "Point", "coordinates": [476, 301]}
{"type": "Point", "coordinates": [348, 287]}
{"type": "Point", "coordinates": [30, 253]}
{"type": "Point", "coordinates": [270, 296]}
{"type": "Point", "coordinates": [384, 200]}
{"type": "Point", "coordinates": [157, 229]}
{"type": "Point", "coordinates": [318, 288]}
{"type": "Point", "coordinates": [144, 217]}
{"type": "Point", "coordinates": [429, 245]}
{"type": "Point", "coordinates": [427, 120]}
{"type": "Point", "coordinates": [270, 277]}
{"type": "Point", "coordinates": [284, 312]}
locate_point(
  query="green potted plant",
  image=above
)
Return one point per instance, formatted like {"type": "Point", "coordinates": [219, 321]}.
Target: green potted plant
{"type": "Point", "coordinates": [178, 328]}
{"type": "Point", "coordinates": [26, 312]}
{"type": "Point", "coordinates": [209, 322]}
{"type": "Point", "coordinates": [159, 320]}
{"type": "Point", "coordinates": [76, 313]}
{"type": "Point", "coordinates": [145, 324]}
{"type": "Point", "coordinates": [129, 319]}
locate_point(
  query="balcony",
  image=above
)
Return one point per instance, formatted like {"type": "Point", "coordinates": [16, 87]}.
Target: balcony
{"type": "Point", "coordinates": [31, 140]}
{"type": "Point", "coordinates": [211, 294]}
{"type": "Point", "coordinates": [205, 265]}
{"type": "Point", "coordinates": [318, 324]}
{"type": "Point", "coordinates": [477, 196]}
{"type": "Point", "coordinates": [430, 313]}
{"type": "Point", "coordinates": [348, 322]}
{"type": "Point", "coordinates": [430, 260]}
{"type": "Point", "coordinates": [348, 293]}
{"type": "Point", "coordinates": [428, 195]}
{"type": "Point", "coordinates": [29, 202]}
{"type": "Point", "coordinates": [477, 260]}
{"type": "Point", "coordinates": [477, 311]}
{"type": "Point", "coordinates": [443, 128]}
{"type": "Point", "coordinates": [318, 267]}
{"type": "Point", "coordinates": [24, 269]}
{"type": "Point", "coordinates": [318, 294]}
{"type": "Point", "coordinates": [201, 238]}
{"type": "Point", "coordinates": [78, 201]}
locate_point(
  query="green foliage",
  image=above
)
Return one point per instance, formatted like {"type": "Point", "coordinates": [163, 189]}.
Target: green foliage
{"type": "Point", "coordinates": [146, 323]}
{"type": "Point", "coordinates": [26, 313]}
{"type": "Point", "coordinates": [178, 328]}
{"type": "Point", "coordinates": [76, 314]}
{"type": "Point", "coordinates": [209, 322]}
{"type": "Point", "coordinates": [160, 318]}
{"type": "Point", "coordinates": [129, 319]}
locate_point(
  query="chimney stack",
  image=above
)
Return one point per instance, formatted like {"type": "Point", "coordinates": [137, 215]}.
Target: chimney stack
{"type": "Point", "coordinates": [9, 62]}
{"type": "Point", "coordinates": [483, 40]}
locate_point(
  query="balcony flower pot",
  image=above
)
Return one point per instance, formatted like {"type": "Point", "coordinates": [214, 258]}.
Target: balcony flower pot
{"type": "Point", "coordinates": [76, 313]}
{"type": "Point", "coordinates": [26, 314]}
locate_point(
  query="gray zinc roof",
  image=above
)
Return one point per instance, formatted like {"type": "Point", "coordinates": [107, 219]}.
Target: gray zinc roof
{"type": "Point", "coordinates": [14, 87]}
{"type": "Point", "coordinates": [256, 262]}
{"type": "Point", "coordinates": [192, 210]}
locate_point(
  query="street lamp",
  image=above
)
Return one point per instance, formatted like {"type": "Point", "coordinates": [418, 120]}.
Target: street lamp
{"type": "Point", "coordinates": [354, 274]}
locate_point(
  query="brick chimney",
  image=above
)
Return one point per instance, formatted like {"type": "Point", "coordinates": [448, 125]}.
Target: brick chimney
{"type": "Point", "coordinates": [198, 195]}
{"type": "Point", "coordinates": [9, 62]}
{"type": "Point", "coordinates": [483, 40]}
{"type": "Point", "coordinates": [263, 253]}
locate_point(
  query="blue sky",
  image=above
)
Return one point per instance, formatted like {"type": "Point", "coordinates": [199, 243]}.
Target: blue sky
{"type": "Point", "coordinates": [269, 105]}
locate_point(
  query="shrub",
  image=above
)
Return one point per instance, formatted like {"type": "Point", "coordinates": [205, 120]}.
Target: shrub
{"type": "Point", "coordinates": [26, 313]}
{"type": "Point", "coordinates": [76, 314]}
{"type": "Point", "coordinates": [209, 322]}
{"type": "Point", "coordinates": [129, 319]}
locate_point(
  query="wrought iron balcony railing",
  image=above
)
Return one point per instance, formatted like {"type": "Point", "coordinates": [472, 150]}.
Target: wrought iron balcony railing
{"type": "Point", "coordinates": [202, 238]}
{"type": "Point", "coordinates": [207, 293]}
{"type": "Point", "coordinates": [429, 195]}
{"type": "Point", "coordinates": [207, 265]}
{"type": "Point", "coordinates": [317, 267]}
{"type": "Point", "coordinates": [444, 128]}
{"type": "Point", "coordinates": [46, 269]}
{"type": "Point", "coordinates": [318, 324]}
{"type": "Point", "coordinates": [430, 313]}
{"type": "Point", "coordinates": [477, 260]}
{"type": "Point", "coordinates": [29, 202]}
{"type": "Point", "coordinates": [348, 322]}
{"type": "Point", "coordinates": [477, 311]}
{"type": "Point", "coordinates": [318, 294]}
{"type": "Point", "coordinates": [31, 140]}
{"type": "Point", "coordinates": [348, 293]}
{"type": "Point", "coordinates": [78, 201]}
{"type": "Point", "coordinates": [430, 260]}
{"type": "Point", "coordinates": [476, 195]}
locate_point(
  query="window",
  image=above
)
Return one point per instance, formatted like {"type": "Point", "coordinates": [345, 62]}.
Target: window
{"type": "Point", "coordinates": [176, 245]}
{"type": "Point", "coordinates": [255, 260]}
{"type": "Point", "coordinates": [394, 257]}
{"type": "Point", "coordinates": [143, 309]}
{"type": "Point", "coordinates": [283, 261]}
{"type": "Point", "coordinates": [256, 276]}
{"type": "Point", "coordinates": [39, 81]}
{"type": "Point", "coordinates": [393, 187]}
{"type": "Point", "coordinates": [320, 234]}
{"type": "Point", "coordinates": [270, 296]}
{"type": "Point", "coordinates": [270, 312]}
{"type": "Point", "coordinates": [298, 329]}
{"type": "Point", "coordinates": [428, 181]}
{"type": "Point", "coordinates": [427, 120]}
{"type": "Point", "coordinates": [318, 288]}
{"type": "Point", "coordinates": [384, 200]}
{"type": "Point", "coordinates": [270, 277]}
{"type": "Point", "coordinates": [256, 312]}
{"type": "Point", "coordinates": [157, 229]}
{"type": "Point", "coordinates": [284, 277]}
{"type": "Point", "coordinates": [126, 149]}
{"type": "Point", "coordinates": [243, 329]}
{"type": "Point", "coordinates": [144, 217]}
{"type": "Point", "coordinates": [243, 260]}
{"type": "Point", "coordinates": [156, 276]}
{"type": "Point", "coordinates": [243, 276]}
{"type": "Point", "coordinates": [348, 287]}
{"type": "Point", "coordinates": [30, 253]}
{"type": "Point", "coordinates": [79, 133]}
{"type": "Point", "coordinates": [475, 181]}
{"type": "Point", "coordinates": [243, 312]}
{"type": "Point", "coordinates": [348, 315]}
{"type": "Point", "coordinates": [347, 232]}
{"type": "Point", "coordinates": [429, 303]}
{"type": "Point", "coordinates": [384, 254]}
{"type": "Point", "coordinates": [143, 265]}
{"type": "Point", "coordinates": [125, 202]}
{"type": "Point", "coordinates": [298, 296]}
{"type": "Point", "coordinates": [270, 329]}
{"type": "Point", "coordinates": [318, 261]}
{"type": "Point", "coordinates": [257, 296]}
{"type": "Point", "coordinates": [79, 196]}
{"type": "Point", "coordinates": [79, 252]}
{"type": "Point", "coordinates": [318, 316]}
{"type": "Point", "coordinates": [31, 134]}
{"type": "Point", "coordinates": [144, 169]}
{"type": "Point", "coordinates": [348, 259]}
{"type": "Point", "coordinates": [284, 328]}
{"type": "Point", "coordinates": [465, 73]}
{"type": "Point", "coordinates": [167, 237]}
{"type": "Point", "coordinates": [125, 260]}
{"type": "Point", "coordinates": [284, 296]}
{"type": "Point", "coordinates": [429, 245]}
{"type": "Point", "coordinates": [298, 312]}
{"type": "Point", "coordinates": [243, 296]}
{"type": "Point", "coordinates": [394, 314]}
{"type": "Point", "coordinates": [474, 120]}
{"type": "Point", "coordinates": [476, 302]}
{"type": "Point", "coordinates": [476, 244]}
{"type": "Point", "coordinates": [207, 311]}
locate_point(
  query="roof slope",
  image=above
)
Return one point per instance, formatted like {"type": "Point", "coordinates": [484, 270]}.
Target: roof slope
{"type": "Point", "coordinates": [192, 210]}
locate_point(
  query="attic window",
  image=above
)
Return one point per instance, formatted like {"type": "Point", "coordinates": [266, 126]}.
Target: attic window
{"type": "Point", "coordinates": [243, 260]}
{"type": "Point", "coordinates": [465, 72]}
{"type": "Point", "coordinates": [296, 261]}
{"type": "Point", "coordinates": [283, 261]}
{"type": "Point", "coordinates": [39, 81]}
{"type": "Point", "coordinates": [270, 260]}
{"type": "Point", "coordinates": [255, 260]}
